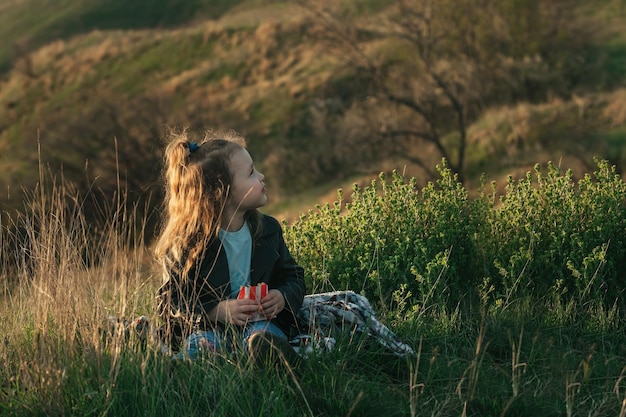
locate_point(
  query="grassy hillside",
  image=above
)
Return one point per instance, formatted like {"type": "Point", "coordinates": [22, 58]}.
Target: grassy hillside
{"type": "Point", "coordinates": [26, 25]}
{"type": "Point", "coordinates": [87, 89]}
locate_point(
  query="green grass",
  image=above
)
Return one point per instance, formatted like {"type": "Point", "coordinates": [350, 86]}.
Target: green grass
{"type": "Point", "coordinates": [523, 354]}
{"type": "Point", "coordinates": [506, 367]}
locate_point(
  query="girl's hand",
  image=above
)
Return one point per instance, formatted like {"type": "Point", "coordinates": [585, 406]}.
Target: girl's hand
{"type": "Point", "coordinates": [233, 311]}
{"type": "Point", "coordinates": [272, 304]}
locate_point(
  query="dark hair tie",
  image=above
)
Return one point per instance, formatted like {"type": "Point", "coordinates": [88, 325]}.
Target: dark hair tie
{"type": "Point", "coordinates": [193, 146]}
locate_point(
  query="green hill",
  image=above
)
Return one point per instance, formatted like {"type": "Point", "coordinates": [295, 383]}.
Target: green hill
{"type": "Point", "coordinates": [27, 25]}
{"type": "Point", "coordinates": [88, 88]}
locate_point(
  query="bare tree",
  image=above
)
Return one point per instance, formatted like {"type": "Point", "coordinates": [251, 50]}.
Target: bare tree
{"type": "Point", "coordinates": [433, 66]}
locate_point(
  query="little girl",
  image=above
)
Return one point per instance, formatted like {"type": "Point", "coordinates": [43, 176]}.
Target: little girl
{"type": "Point", "coordinates": [213, 242]}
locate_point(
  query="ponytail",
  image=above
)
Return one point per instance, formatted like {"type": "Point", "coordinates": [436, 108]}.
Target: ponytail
{"type": "Point", "coordinates": [197, 181]}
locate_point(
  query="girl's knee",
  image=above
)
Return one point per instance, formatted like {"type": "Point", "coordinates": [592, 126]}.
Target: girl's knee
{"type": "Point", "coordinates": [201, 343]}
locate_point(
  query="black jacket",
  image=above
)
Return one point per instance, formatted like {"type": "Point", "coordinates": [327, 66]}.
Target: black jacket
{"type": "Point", "coordinates": [184, 306]}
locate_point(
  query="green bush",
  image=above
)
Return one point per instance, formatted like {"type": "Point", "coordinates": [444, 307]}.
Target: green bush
{"type": "Point", "coordinates": [546, 237]}
{"type": "Point", "coordinates": [390, 238]}
{"type": "Point", "coordinates": [552, 234]}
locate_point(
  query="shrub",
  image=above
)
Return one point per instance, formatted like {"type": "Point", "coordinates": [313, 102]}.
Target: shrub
{"type": "Point", "coordinates": [547, 238]}
{"type": "Point", "coordinates": [392, 237]}
{"type": "Point", "coordinates": [553, 234]}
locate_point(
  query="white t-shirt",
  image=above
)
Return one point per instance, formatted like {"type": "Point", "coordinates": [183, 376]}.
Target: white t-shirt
{"type": "Point", "coordinates": [238, 247]}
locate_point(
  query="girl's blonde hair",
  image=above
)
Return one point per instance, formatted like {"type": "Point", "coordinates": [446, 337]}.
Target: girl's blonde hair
{"type": "Point", "coordinates": [197, 183]}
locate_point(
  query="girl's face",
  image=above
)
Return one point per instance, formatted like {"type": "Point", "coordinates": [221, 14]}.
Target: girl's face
{"type": "Point", "coordinates": [247, 191]}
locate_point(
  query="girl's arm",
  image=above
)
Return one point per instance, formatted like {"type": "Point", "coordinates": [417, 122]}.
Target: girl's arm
{"type": "Point", "coordinates": [289, 277]}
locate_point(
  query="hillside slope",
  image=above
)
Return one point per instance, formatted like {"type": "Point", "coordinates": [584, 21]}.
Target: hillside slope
{"type": "Point", "coordinates": [90, 88]}
{"type": "Point", "coordinates": [76, 97]}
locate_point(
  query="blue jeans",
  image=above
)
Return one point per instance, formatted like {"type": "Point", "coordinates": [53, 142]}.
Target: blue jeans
{"type": "Point", "coordinates": [225, 341]}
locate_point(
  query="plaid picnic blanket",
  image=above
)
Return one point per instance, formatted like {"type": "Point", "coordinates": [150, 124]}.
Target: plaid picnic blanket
{"type": "Point", "coordinates": [323, 313]}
